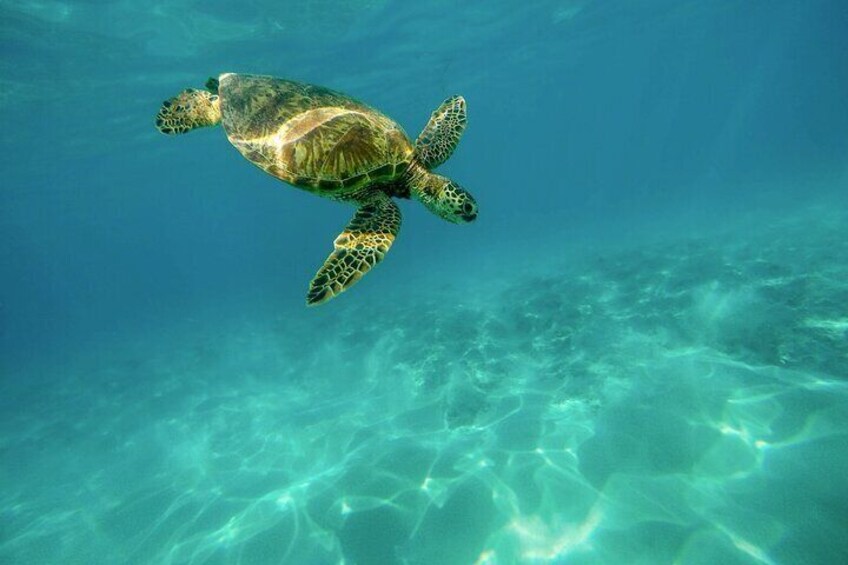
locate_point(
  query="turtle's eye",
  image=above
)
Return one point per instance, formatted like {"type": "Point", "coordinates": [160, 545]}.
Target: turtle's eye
{"type": "Point", "coordinates": [469, 211]}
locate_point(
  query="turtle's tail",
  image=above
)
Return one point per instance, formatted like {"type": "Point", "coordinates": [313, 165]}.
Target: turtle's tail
{"type": "Point", "coordinates": [188, 110]}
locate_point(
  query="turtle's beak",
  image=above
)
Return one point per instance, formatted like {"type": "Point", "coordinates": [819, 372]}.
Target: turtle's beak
{"type": "Point", "coordinates": [460, 217]}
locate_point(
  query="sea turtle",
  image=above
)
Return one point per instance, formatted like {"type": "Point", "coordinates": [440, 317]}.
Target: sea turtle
{"type": "Point", "coordinates": [334, 146]}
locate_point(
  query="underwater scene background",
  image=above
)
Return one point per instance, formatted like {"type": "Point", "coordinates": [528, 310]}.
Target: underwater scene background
{"type": "Point", "coordinates": [637, 354]}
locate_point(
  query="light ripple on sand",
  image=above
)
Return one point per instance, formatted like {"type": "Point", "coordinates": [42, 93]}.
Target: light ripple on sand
{"type": "Point", "coordinates": [599, 417]}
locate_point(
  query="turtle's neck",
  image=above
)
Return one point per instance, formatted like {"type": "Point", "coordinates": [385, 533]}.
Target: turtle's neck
{"type": "Point", "coordinates": [416, 182]}
{"type": "Point", "coordinates": [425, 186]}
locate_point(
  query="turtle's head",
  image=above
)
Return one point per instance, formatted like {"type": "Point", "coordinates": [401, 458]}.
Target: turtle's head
{"type": "Point", "coordinates": [443, 197]}
{"type": "Point", "coordinates": [456, 204]}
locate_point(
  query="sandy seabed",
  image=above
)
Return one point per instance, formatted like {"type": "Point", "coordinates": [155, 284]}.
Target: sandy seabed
{"type": "Point", "coordinates": [683, 401]}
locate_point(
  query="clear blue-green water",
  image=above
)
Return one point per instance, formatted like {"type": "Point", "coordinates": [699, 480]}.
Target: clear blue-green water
{"type": "Point", "coordinates": [637, 354]}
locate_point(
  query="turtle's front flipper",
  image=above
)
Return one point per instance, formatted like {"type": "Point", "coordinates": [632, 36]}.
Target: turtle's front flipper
{"type": "Point", "coordinates": [362, 244]}
{"type": "Point", "coordinates": [188, 110]}
{"type": "Point", "coordinates": [442, 133]}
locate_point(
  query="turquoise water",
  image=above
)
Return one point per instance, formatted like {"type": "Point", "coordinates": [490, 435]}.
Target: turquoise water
{"type": "Point", "coordinates": [637, 354]}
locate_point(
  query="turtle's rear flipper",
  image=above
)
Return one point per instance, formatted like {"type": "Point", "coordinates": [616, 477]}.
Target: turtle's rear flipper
{"type": "Point", "coordinates": [188, 110]}
{"type": "Point", "coordinates": [362, 244]}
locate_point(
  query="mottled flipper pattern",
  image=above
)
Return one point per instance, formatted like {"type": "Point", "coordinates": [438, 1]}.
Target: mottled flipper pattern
{"type": "Point", "coordinates": [362, 244]}
{"type": "Point", "coordinates": [442, 133]}
{"type": "Point", "coordinates": [188, 110]}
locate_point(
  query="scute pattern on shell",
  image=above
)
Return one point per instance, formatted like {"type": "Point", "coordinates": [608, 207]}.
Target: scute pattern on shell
{"type": "Point", "coordinates": [312, 137]}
